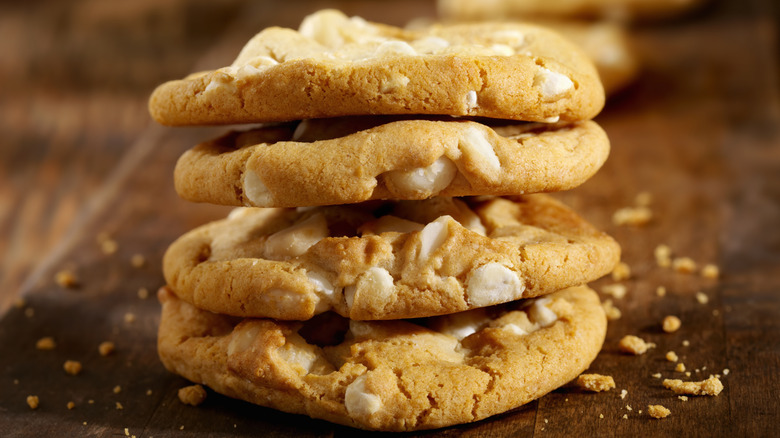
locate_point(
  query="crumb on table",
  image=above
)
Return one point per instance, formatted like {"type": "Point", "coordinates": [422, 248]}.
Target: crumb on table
{"type": "Point", "coordinates": [671, 324]}
{"type": "Point", "coordinates": [595, 382]}
{"type": "Point", "coordinates": [634, 345]}
{"type": "Point", "coordinates": [684, 265]}
{"type": "Point", "coordinates": [33, 401]}
{"type": "Point", "coordinates": [45, 343]}
{"type": "Point", "coordinates": [106, 348]}
{"type": "Point", "coordinates": [66, 278]}
{"type": "Point", "coordinates": [636, 216]}
{"type": "Point", "coordinates": [192, 395]}
{"type": "Point", "coordinates": [72, 367]}
{"type": "Point", "coordinates": [621, 272]}
{"type": "Point", "coordinates": [612, 312]}
{"type": "Point", "coordinates": [671, 356]}
{"type": "Point", "coordinates": [658, 411]}
{"type": "Point", "coordinates": [710, 386]}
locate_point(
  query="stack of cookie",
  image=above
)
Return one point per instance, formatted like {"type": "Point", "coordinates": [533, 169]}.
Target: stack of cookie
{"type": "Point", "coordinates": [397, 278]}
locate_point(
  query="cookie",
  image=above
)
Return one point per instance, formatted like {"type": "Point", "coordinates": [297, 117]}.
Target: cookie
{"type": "Point", "coordinates": [620, 10]}
{"type": "Point", "coordinates": [389, 375]}
{"type": "Point", "coordinates": [338, 66]}
{"type": "Point", "coordinates": [386, 260]}
{"type": "Point", "coordinates": [378, 158]}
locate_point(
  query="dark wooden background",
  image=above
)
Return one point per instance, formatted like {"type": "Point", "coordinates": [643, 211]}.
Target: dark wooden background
{"type": "Point", "coordinates": [700, 130]}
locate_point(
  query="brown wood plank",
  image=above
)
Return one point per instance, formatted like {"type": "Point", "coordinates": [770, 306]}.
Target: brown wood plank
{"type": "Point", "coordinates": [700, 131]}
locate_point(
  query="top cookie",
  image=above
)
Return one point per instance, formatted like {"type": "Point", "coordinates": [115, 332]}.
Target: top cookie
{"type": "Point", "coordinates": [337, 66]}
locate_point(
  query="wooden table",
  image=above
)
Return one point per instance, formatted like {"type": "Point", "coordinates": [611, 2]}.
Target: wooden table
{"type": "Point", "coordinates": [699, 130]}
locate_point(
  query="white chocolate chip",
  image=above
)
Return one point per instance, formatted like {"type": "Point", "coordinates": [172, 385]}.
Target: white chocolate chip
{"type": "Point", "coordinates": [462, 324]}
{"type": "Point", "coordinates": [255, 190]}
{"type": "Point", "coordinates": [552, 84]}
{"type": "Point", "coordinates": [243, 338]}
{"type": "Point", "coordinates": [394, 48]}
{"type": "Point", "coordinates": [375, 283]}
{"type": "Point", "coordinates": [515, 329]}
{"type": "Point", "coordinates": [430, 44]}
{"type": "Point", "coordinates": [324, 290]}
{"type": "Point", "coordinates": [541, 314]}
{"type": "Point", "coordinates": [428, 180]}
{"type": "Point", "coordinates": [394, 83]}
{"type": "Point", "coordinates": [360, 402]}
{"type": "Point", "coordinates": [493, 283]}
{"type": "Point", "coordinates": [553, 119]}
{"type": "Point", "coordinates": [502, 50]}
{"type": "Point", "coordinates": [513, 38]}
{"type": "Point", "coordinates": [433, 236]}
{"type": "Point", "coordinates": [297, 353]}
{"type": "Point", "coordinates": [297, 239]}
{"type": "Point", "coordinates": [476, 146]}
{"type": "Point", "coordinates": [471, 100]}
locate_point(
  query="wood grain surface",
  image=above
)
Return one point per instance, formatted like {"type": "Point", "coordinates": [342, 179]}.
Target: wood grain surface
{"type": "Point", "coordinates": [699, 130]}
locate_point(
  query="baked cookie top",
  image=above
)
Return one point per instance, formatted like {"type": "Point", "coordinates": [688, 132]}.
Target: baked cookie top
{"type": "Point", "coordinates": [618, 10]}
{"type": "Point", "coordinates": [386, 260]}
{"type": "Point", "coordinates": [355, 159]}
{"type": "Point", "coordinates": [337, 66]}
{"type": "Point", "coordinates": [389, 375]}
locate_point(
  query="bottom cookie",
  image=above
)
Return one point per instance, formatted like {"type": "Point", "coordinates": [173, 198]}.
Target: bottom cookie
{"type": "Point", "coordinates": [398, 375]}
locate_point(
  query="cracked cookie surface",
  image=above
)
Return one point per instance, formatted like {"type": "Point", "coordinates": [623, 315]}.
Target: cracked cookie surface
{"type": "Point", "coordinates": [389, 375]}
{"type": "Point", "coordinates": [355, 159]}
{"type": "Point", "coordinates": [386, 260]}
{"type": "Point", "coordinates": [337, 66]}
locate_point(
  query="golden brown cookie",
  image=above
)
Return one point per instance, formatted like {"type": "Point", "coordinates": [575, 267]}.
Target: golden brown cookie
{"type": "Point", "coordinates": [386, 158]}
{"type": "Point", "coordinates": [620, 10]}
{"type": "Point", "coordinates": [336, 66]}
{"type": "Point", "coordinates": [389, 375]}
{"type": "Point", "coordinates": [387, 260]}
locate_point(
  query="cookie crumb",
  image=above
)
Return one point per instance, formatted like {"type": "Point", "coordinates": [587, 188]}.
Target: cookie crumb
{"type": "Point", "coordinates": [711, 386]}
{"type": "Point", "coordinates": [148, 392]}
{"type": "Point", "coordinates": [119, 406]}
{"type": "Point", "coordinates": [117, 389]}
{"type": "Point", "coordinates": [684, 265]}
{"type": "Point", "coordinates": [192, 395]}
{"type": "Point", "coordinates": [660, 291]}
{"type": "Point", "coordinates": [72, 367]}
{"type": "Point", "coordinates": [643, 199]}
{"type": "Point", "coordinates": [33, 401]}
{"type": "Point", "coordinates": [658, 411]}
{"type": "Point", "coordinates": [671, 324]}
{"type": "Point", "coordinates": [70, 405]}
{"type": "Point", "coordinates": [635, 216]}
{"type": "Point", "coordinates": [616, 290]}
{"type": "Point", "coordinates": [143, 293]}
{"type": "Point", "coordinates": [91, 402]}
{"type": "Point", "coordinates": [66, 279]}
{"type": "Point", "coordinates": [623, 394]}
{"type": "Point", "coordinates": [663, 256]}
{"type": "Point", "coordinates": [138, 260]}
{"type": "Point", "coordinates": [106, 348]}
{"type": "Point", "coordinates": [710, 271]}
{"type": "Point", "coordinates": [621, 272]}
{"type": "Point", "coordinates": [702, 298]}
{"type": "Point", "coordinates": [686, 343]}
{"type": "Point", "coordinates": [726, 371]}
{"type": "Point", "coordinates": [127, 431]}
{"type": "Point", "coordinates": [595, 382]}
{"type": "Point", "coordinates": [687, 374]}
{"type": "Point", "coordinates": [657, 375]}
{"type": "Point", "coordinates": [680, 368]}
{"type": "Point", "coordinates": [601, 415]}
{"type": "Point", "coordinates": [612, 312]}
{"type": "Point", "coordinates": [129, 317]}
{"type": "Point", "coordinates": [683, 397]}
{"type": "Point", "coordinates": [625, 416]}
{"type": "Point", "coordinates": [45, 343]}
{"type": "Point", "coordinates": [108, 245]}
{"type": "Point", "coordinates": [634, 345]}
{"type": "Point", "coordinates": [671, 356]}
